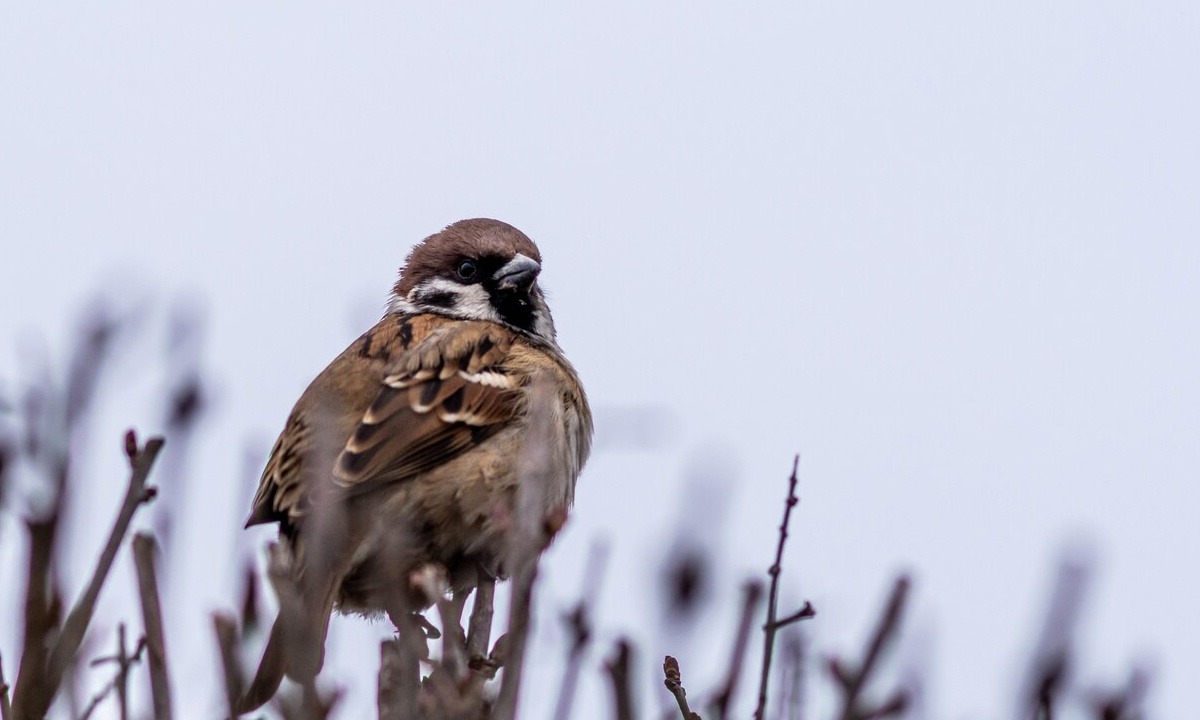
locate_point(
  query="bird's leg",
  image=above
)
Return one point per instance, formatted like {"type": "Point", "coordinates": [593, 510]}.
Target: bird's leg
{"type": "Point", "coordinates": [408, 621]}
{"type": "Point", "coordinates": [454, 642]}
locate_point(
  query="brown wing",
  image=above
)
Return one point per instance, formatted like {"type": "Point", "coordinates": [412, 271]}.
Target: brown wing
{"type": "Point", "coordinates": [280, 495]}
{"type": "Point", "coordinates": [327, 414]}
{"type": "Point", "coordinates": [447, 394]}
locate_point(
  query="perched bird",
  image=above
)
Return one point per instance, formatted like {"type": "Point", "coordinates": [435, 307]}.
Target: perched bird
{"type": "Point", "coordinates": [406, 450]}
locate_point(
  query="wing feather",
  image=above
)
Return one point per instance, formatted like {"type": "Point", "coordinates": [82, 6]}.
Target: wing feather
{"type": "Point", "coordinates": [411, 394]}
{"type": "Point", "coordinates": [447, 394]}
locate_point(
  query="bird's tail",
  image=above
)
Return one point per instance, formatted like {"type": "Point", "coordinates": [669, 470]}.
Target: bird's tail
{"type": "Point", "coordinates": [295, 648]}
{"type": "Point", "coordinates": [271, 670]}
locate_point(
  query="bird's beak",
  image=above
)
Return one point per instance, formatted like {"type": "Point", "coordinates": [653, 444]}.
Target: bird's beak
{"type": "Point", "coordinates": [518, 273]}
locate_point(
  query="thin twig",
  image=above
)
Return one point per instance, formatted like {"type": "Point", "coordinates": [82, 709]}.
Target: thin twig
{"type": "Point", "coordinates": [853, 681]}
{"type": "Point", "coordinates": [160, 685]}
{"type": "Point", "coordinates": [518, 632]}
{"type": "Point", "coordinates": [120, 681]}
{"type": "Point", "coordinates": [32, 694]}
{"type": "Point", "coordinates": [790, 705]}
{"type": "Point", "coordinates": [803, 613]}
{"type": "Point", "coordinates": [673, 679]}
{"type": "Point", "coordinates": [454, 645]}
{"type": "Point", "coordinates": [53, 421]}
{"type": "Point", "coordinates": [399, 676]}
{"type": "Point", "coordinates": [123, 674]}
{"type": "Point", "coordinates": [752, 595]}
{"type": "Point", "coordinates": [141, 460]}
{"type": "Point", "coordinates": [1125, 703]}
{"type": "Point", "coordinates": [527, 539]}
{"type": "Point", "coordinates": [34, 701]}
{"type": "Point", "coordinates": [1052, 657]}
{"type": "Point", "coordinates": [234, 683]}
{"type": "Point", "coordinates": [5, 705]}
{"type": "Point", "coordinates": [620, 675]}
{"type": "Point", "coordinates": [306, 704]}
{"type": "Point", "coordinates": [479, 633]}
{"type": "Point", "coordinates": [580, 625]}
{"type": "Point", "coordinates": [773, 624]}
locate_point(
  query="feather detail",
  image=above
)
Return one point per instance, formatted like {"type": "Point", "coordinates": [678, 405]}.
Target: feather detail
{"type": "Point", "coordinates": [447, 394]}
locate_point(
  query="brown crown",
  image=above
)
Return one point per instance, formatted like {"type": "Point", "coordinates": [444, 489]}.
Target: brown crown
{"type": "Point", "coordinates": [477, 238]}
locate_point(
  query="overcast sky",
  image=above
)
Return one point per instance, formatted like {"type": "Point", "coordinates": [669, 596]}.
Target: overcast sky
{"type": "Point", "coordinates": [947, 251]}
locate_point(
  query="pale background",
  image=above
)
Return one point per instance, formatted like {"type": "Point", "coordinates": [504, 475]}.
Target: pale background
{"type": "Point", "coordinates": [947, 251]}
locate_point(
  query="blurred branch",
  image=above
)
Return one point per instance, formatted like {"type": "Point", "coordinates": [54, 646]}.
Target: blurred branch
{"type": "Point", "coordinates": [234, 679]}
{"type": "Point", "coordinates": [307, 704]}
{"type": "Point", "coordinates": [673, 679]}
{"type": "Point", "coordinates": [527, 539]}
{"type": "Point", "coordinates": [399, 677]}
{"type": "Point", "coordinates": [518, 632]}
{"type": "Point", "coordinates": [454, 645]}
{"type": "Point", "coordinates": [43, 601]}
{"type": "Point", "coordinates": [853, 681]}
{"type": "Point", "coordinates": [43, 609]}
{"type": "Point", "coordinates": [773, 623]}
{"type": "Point", "coordinates": [752, 594]}
{"type": "Point", "coordinates": [618, 669]}
{"type": "Point", "coordinates": [185, 400]}
{"type": "Point", "coordinates": [160, 685]}
{"type": "Point", "coordinates": [5, 705]}
{"type": "Point", "coordinates": [579, 624]}
{"type": "Point", "coordinates": [141, 460]}
{"type": "Point", "coordinates": [791, 677]}
{"type": "Point", "coordinates": [120, 681]}
{"type": "Point", "coordinates": [40, 676]}
{"type": "Point", "coordinates": [8, 453]}
{"type": "Point", "coordinates": [1126, 703]}
{"type": "Point", "coordinates": [1051, 658]}
{"type": "Point", "coordinates": [479, 632]}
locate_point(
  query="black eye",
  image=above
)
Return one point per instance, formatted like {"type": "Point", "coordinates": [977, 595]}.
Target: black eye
{"type": "Point", "coordinates": [467, 270]}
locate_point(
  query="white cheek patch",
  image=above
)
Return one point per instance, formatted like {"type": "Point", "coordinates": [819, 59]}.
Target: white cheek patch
{"type": "Point", "coordinates": [443, 296]}
{"type": "Point", "coordinates": [447, 297]}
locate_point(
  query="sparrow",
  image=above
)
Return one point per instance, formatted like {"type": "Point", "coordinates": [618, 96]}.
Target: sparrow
{"type": "Point", "coordinates": [406, 450]}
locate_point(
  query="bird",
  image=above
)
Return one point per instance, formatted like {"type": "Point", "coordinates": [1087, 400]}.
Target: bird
{"type": "Point", "coordinates": [406, 451]}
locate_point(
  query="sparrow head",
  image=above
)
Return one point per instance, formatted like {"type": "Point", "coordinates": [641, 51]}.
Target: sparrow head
{"type": "Point", "coordinates": [476, 270]}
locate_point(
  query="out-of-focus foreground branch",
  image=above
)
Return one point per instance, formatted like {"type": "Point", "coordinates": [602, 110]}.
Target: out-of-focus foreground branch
{"type": "Point", "coordinates": [470, 675]}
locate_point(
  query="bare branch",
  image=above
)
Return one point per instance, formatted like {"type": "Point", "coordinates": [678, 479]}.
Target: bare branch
{"type": "Point", "coordinates": [399, 677]}
{"type": "Point", "coordinates": [619, 674]}
{"type": "Point", "coordinates": [120, 681]}
{"type": "Point", "coordinates": [307, 704]}
{"type": "Point", "coordinates": [225, 629]}
{"type": "Point", "coordinates": [454, 645]}
{"type": "Point", "coordinates": [752, 595]}
{"type": "Point", "coordinates": [43, 601]}
{"type": "Point", "coordinates": [160, 685]}
{"type": "Point", "coordinates": [5, 705]}
{"type": "Point", "coordinates": [43, 609]}
{"type": "Point", "coordinates": [479, 634]}
{"type": "Point", "coordinates": [141, 460]}
{"type": "Point", "coordinates": [790, 704]}
{"type": "Point", "coordinates": [773, 625]}
{"type": "Point", "coordinates": [580, 625]}
{"type": "Point", "coordinates": [1051, 662]}
{"type": "Point", "coordinates": [518, 631]}
{"type": "Point", "coordinates": [803, 613]}
{"type": "Point", "coordinates": [33, 699]}
{"type": "Point", "coordinates": [1125, 703]}
{"type": "Point", "coordinates": [853, 681]}
{"type": "Point", "coordinates": [673, 679]}
{"type": "Point", "coordinates": [527, 539]}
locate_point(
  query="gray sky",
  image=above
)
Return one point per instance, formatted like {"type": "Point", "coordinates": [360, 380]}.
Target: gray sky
{"type": "Point", "coordinates": [945, 250]}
